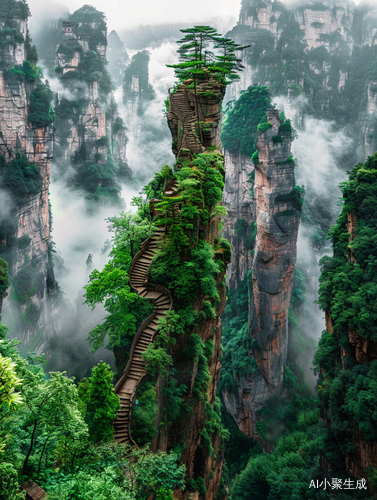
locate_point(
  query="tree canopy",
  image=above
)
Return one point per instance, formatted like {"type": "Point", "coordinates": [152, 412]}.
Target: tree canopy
{"type": "Point", "coordinates": [204, 53]}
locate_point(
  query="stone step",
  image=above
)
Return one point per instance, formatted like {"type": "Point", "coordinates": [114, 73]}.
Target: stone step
{"type": "Point", "coordinates": [148, 331]}
{"type": "Point", "coordinates": [163, 307]}
{"type": "Point", "coordinates": [165, 299]}
{"type": "Point", "coordinates": [121, 434]}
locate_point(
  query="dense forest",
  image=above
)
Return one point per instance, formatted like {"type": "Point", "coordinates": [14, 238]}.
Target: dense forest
{"type": "Point", "coordinates": [217, 340]}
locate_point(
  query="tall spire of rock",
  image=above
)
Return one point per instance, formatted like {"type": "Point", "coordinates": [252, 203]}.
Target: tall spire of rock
{"type": "Point", "coordinates": [278, 207]}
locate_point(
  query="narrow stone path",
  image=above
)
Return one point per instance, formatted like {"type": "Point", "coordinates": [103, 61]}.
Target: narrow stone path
{"type": "Point", "coordinates": [135, 370]}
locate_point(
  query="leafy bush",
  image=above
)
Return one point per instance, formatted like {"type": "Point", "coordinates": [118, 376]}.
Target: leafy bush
{"type": "Point", "coordinates": [240, 127]}
{"type": "Point", "coordinates": [4, 280]}
{"type": "Point", "coordinates": [277, 139]}
{"type": "Point", "coordinates": [22, 178]}
{"type": "Point", "coordinates": [348, 287]}
{"type": "Point", "coordinates": [295, 198]}
{"type": "Point", "coordinates": [286, 128]}
{"type": "Point", "coordinates": [263, 127]}
{"type": "Point", "coordinates": [27, 72]}
{"type": "Point", "coordinates": [40, 111]}
{"type": "Point", "coordinates": [102, 404]}
{"type": "Point", "coordinates": [8, 481]}
{"type": "Point", "coordinates": [255, 157]}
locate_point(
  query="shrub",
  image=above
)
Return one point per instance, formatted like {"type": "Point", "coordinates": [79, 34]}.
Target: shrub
{"type": "Point", "coordinates": [22, 178]}
{"type": "Point", "coordinates": [263, 127]}
{"type": "Point", "coordinates": [40, 111]}
{"type": "Point", "coordinates": [8, 481]}
{"type": "Point", "coordinates": [241, 124]}
{"type": "Point", "coordinates": [277, 139]}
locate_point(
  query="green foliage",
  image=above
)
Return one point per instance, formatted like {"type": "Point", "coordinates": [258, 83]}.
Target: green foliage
{"type": "Point", "coordinates": [9, 382]}
{"type": "Point", "coordinates": [236, 340]}
{"type": "Point", "coordinates": [88, 14]}
{"type": "Point", "coordinates": [91, 69]}
{"type": "Point", "coordinates": [243, 122]}
{"type": "Point", "coordinates": [286, 128]}
{"type": "Point", "coordinates": [118, 125]}
{"type": "Point", "coordinates": [21, 178]}
{"type": "Point", "coordinates": [115, 472]}
{"type": "Point", "coordinates": [199, 63]}
{"type": "Point", "coordinates": [23, 283]}
{"type": "Point", "coordinates": [213, 425]}
{"type": "Point", "coordinates": [27, 72]}
{"type": "Point", "coordinates": [144, 414]}
{"type": "Point", "coordinates": [295, 198]}
{"type": "Point", "coordinates": [349, 287]}
{"type": "Point", "coordinates": [189, 277]}
{"type": "Point", "coordinates": [277, 139]}
{"type": "Point", "coordinates": [126, 310]}
{"type": "Point", "coordinates": [40, 112]}
{"type": "Point", "coordinates": [156, 358]}
{"type": "Point", "coordinates": [13, 9]}
{"type": "Point", "coordinates": [263, 127]}
{"type": "Point", "coordinates": [4, 279]}
{"type": "Point", "coordinates": [102, 404]}
{"type": "Point", "coordinates": [50, 413]}
{"type": "Point", "coordinates": [139, 67]}
{"type": "Point", "coordinates": [8, 481]}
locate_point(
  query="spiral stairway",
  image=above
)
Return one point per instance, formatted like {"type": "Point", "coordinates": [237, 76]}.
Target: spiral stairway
{"type": "Point", "coordinates": [135, 370]}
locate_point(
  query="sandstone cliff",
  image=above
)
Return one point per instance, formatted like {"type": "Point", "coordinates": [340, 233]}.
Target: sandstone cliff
{"type": "Point", "coordinates": [25, 228]}
{"type": "Point", "coordinates": [89, 130]}
{"type": "Point", "coordinates": [320, 49]}
{"type": "Point", "coordinates": [240, 206]}
{"type": "Point", "coordinates": [348, 369]}
{"type": "Point", "coordinates": [278, 206]}
{"type": "Point", "coordinates": [200, 441]}
{"type": "Point", "coordinates": [137, 90]}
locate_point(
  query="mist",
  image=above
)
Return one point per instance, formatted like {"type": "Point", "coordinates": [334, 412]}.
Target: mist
{"type": "Point", "coordinates": [149, 138]}
{"type": "Point", "coordinates": [6, 205]}
{"type": "Point", "coordinates": [126, 14]}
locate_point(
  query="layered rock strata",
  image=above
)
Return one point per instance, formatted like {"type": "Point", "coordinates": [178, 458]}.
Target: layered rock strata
{"type": "Point", "coordinates": [194, 118]}
{"type": "Point", "coordinates": [240, 205]}
{"type": "Point", "coordinates": [278, 217]}
{"type": "Point", "coordinates": [29, 261]}
{"type": "Point", "coordinates": [363, 455]}
{"type": "Point", "coordinates": [338, 40]}
{"type": "Point", "coordinates": [90, 129]}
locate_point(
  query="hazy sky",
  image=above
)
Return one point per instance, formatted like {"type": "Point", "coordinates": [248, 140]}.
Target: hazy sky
{"type": "Point", "coordinates": [130, 13]}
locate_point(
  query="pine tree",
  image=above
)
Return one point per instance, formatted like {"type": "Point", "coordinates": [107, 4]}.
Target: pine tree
{"type": "Point", "coordinates": [198, 62]}
{"type": "Point", "coordinates": [102, 404]}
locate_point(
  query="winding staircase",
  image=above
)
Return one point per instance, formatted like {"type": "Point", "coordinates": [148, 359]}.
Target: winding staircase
{"type": "Point", "coordinates": [135, 370]}
{"type": "Point", "coordinates": [187, 139]}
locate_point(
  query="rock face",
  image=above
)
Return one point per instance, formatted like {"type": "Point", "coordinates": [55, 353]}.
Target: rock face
{"type": "Point", "coordinates": [336, 40]}
{"type": "Point", "coordinates": [117, 56]}
{"type": "Point", "coordinates": [187, 109]}
{"type": "Point", "coordinates": [31, 217]}
{"type": "Point", "coordinates": [240, 205]}
{"type": "Point", "coordinates": [188, 431]}
{"type": "Point", "coordinates": [90, 129]}
{"type": "Point", "coordinates": [137, 91]}
{"type": "Point", "coordinates": [278, 216]}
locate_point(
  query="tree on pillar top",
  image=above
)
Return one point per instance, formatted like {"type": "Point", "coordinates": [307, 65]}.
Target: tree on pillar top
{"type": "Point", "coordinates": [205, 54]}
